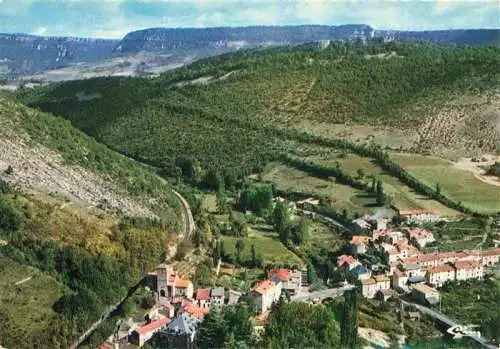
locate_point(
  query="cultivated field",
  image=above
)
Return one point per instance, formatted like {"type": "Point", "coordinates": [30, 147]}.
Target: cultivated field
{"type": "Point", "coordinates": [456, 183]}
{"type": "Point", "coordinates": [404, 197]}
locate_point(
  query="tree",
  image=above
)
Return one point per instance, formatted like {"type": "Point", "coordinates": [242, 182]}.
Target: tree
{"type": "Point", "coordinates": [301, 325]}
{"type": "Point", "coordinates": [240, 246]}
{"type": "Point", "coordinates": [281, 219]}
{"type": "Point", "coordinates": [438, 189]}
{"type": "Point", "coordinates": [300, 232]}
{"type": "Point", "coordinates": [361, 173]}
{"type": "Point", "coordinates": [349, 320]}
{"type": "Point", "coordinates": [203, 276]}
{"type": "Point", "coordinates": [221, 201]}
{"type": "Point", "coordinates": [212, 331]}
{"type": "Point", "coordinates": [10, 216]}
{"type": "Point", "coordinates": [380, 193]}
{"type": "Point", "coordinates": [254, 256]}
{"type": "Point", "coordinates": [238, 224]}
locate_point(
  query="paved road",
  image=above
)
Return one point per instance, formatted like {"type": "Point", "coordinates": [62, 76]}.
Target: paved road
{"type": "Point", "coordinates": [449, 322]}
{"type": "Point", "coordinates": [329, 293]}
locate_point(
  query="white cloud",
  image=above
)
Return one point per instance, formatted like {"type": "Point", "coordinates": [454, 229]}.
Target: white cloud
{"type": "Point", "coordinates": [40, 31]}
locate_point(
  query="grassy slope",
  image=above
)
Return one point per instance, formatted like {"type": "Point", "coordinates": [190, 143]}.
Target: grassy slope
{"type": "Point", "coordinates": [129, 248]}
{"type": "Point", "coordinates": [403, 196]}
{"type": "Point", "coordinates": [456, 183]}
{"type": "Point", "coordinates": [25, 309]}
{"type": "Point", "coordinates": [271, 248]}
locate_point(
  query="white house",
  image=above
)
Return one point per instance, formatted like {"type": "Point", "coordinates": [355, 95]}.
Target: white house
{"type": "Point", "coordinates": [437, 276]}
{"type": "Point", "coordinates": [399, 279]}
{"type": "Point", "coordinates": [468, 270]}
{"type": "Point", "coordinates": [144, 333]}
{"type": "Point", "coordinates": [265, 293]}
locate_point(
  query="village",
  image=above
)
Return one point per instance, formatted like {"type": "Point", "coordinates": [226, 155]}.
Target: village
{"type": "Point", "coordinates": [407, 272]}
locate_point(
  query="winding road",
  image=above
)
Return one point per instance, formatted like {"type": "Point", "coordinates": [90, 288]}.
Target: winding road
{"type": "Point", "coordinates": [189, 228]}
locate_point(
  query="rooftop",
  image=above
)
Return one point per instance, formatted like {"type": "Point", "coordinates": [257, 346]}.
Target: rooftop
{"type": "Point", "coordinates": [424, 288]}
{"type": "Point", "coordinates": [445, 268]}
{"type": "Point", "coordinates": [346, 259]}
{"type": "Point", "coordinates": [218, 292]}
{"type": "Point", "coordinates": [360, 240]}
{"type": "Point", "coordinates": [467, 265]}
{"type": "Point", "coordinates": [418, 212]}
{"type": "Point", "coordinates": [282, 274]}
{"type": "Point", "coordinates": [418, 233]}
{"type": "Point", "coordinates": [263, 287]}
{"type": "Point", "coordinates": [399, 273]}
{"type": "Point", "coordinates": [153, 326]}
{"type": "Point", "coordinates": [370, 281]}
{"type": "Point", "coordinates": [381, 278]}
{"type": "Point", "coordinates": [197, 311]}
{"type": "Point", "coordinates": [182, 283]}
{"type": "Point", "coordinates": [203, 294]}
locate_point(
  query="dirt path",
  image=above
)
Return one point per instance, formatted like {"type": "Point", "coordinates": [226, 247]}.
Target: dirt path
{"type": "Point", "coordinates": [476, 168]}
{"type": "Point", "coordinates": [23, 281]}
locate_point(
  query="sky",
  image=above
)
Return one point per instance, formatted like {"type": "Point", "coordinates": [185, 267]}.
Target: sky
{"type": "Point", "coordinates": [115, 18]}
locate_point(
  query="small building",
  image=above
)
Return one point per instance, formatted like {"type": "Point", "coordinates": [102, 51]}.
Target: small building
{"type": "Point", "coordinates": [359, 243]}
{"type": "Point", "coordinates": [291, 280]}
{"type": "Point", "coordinates": [490, 257]}
{"type": "Point", "coordinates": [308, 203]}
{"type": "Point", "coordinates": [425, 294]}
{"type": "Point", "coordinates": [468, 270]}
{"type": "Point", "coordinates": [203, 297]}
{"type": "Point", "coordinates": [368, 288]}
{"type": "Point", "coordinates": [234, 297]}
{"type": "Point", "coordinates": [422, 236]}
{"type": "Point", "coordinates": [347, 261]}
{"type": "Point", "coordinates": [362, 272]}
{"type": "Point", "coordinates": [381, 223]}
{"type": "Point", "coordinates": [181, 331]}
{"type": "Point", "coordinates": [414, 315]}
{"type": "Point", "coordinates": [399, 279]}
{"type": "Point", "coordinates": [420, 216]}
{"type": "Point", "coordinates": [217, 296]}
{"type": "Point", "coordinates": [360, 225]}
{"type": "Point", "coordinates": [384, 295]}
{"type": "Point", "coordinates": [382, 281]}
{"type": "Point", "coordinates": [393, 255]}
{"type": "Point", "coordinates": [265, 293]}
{"type": "Point", "coordinates": [144, 333]}
{"type": "Point", "coordinates": [414, 269]}
{"type": "Point", "coordinates": [437, 276]}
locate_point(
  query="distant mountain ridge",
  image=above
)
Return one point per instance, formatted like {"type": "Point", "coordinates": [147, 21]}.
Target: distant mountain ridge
{"type": "Point", "coordinates": [26, 55]}
{"type": "Point", "coordinates": [238, 37]}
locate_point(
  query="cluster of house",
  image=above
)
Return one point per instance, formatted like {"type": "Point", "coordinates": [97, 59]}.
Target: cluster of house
{"type": "Point", "coordinates": [408, 269]}
{"type": "Point", "coordinates": [178, 312]}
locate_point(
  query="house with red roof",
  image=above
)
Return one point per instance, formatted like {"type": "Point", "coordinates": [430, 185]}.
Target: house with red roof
{"type": "Point", "coordinates": [291, 280]}
{"type": "Point", "coordinates": [265, 293]}
{"type": "Point", "coordinates": [468, 270]}
{"type": "Point", "coordinates": [203, 297]}
{"type": "Point", "coordinates": [144, 333]}
{"type": "Point", "coordinates": [422, 236]}
{"type": "Point", "coordinates": [438, 275]}
{"type": "Point", "coordinates": [349, 261]}
{"type": "Point", "coordinates": [359, 243]}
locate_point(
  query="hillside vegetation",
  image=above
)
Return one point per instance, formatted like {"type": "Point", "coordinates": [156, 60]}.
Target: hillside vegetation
{"type": "Point", "coordinates": [235, 113]}
{"type": "Point", "coordinates": [224, 110]}
{"type": "Point", "coordinates": [79, 225]}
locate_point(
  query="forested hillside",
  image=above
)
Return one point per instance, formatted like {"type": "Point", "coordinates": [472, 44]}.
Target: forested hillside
{"type": "Point", "coordinates": [225, 110]}
{"type": "Point", "coordinates": [79, 225]}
